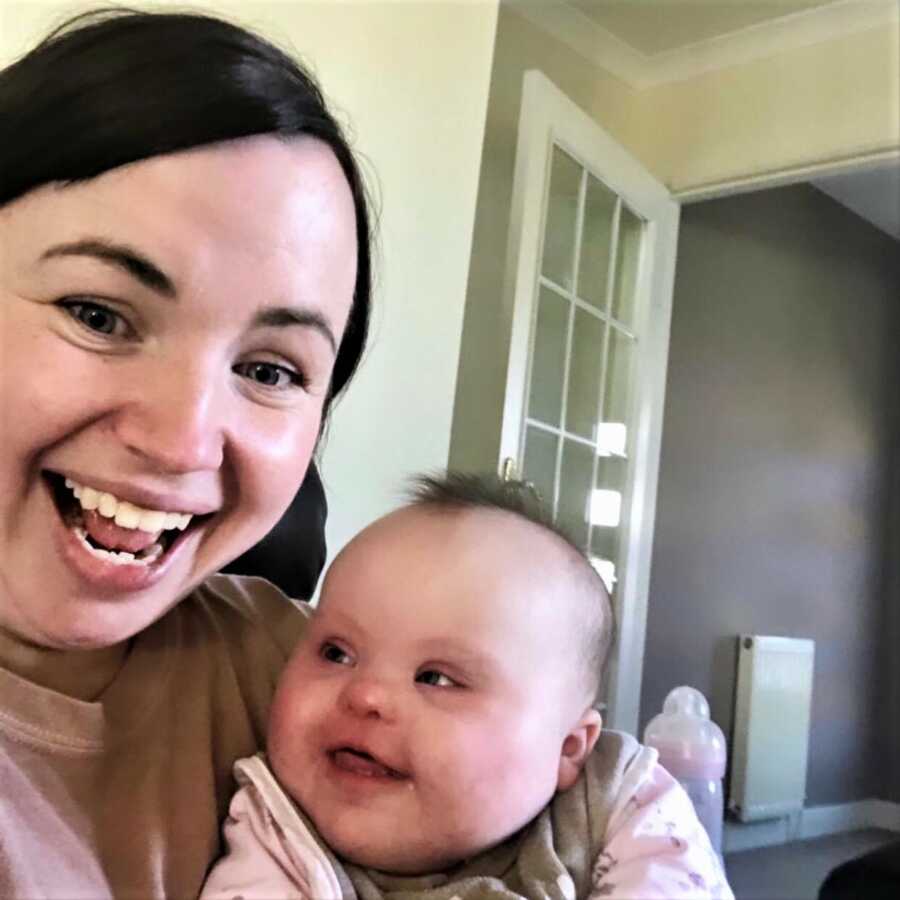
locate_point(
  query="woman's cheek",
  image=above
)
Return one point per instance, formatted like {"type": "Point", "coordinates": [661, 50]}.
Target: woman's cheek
{"type": "Point", "coordinates": [276, 453]}
{"type": "Point", "coordinates": [48, 389]}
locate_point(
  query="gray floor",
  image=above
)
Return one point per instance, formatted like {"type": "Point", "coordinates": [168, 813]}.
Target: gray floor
{"type": "Point", "coordinates": [795, 871]}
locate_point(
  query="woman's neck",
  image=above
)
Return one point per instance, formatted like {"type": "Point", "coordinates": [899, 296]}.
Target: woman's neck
{"type": "Point", "coordinates": [81, 674]}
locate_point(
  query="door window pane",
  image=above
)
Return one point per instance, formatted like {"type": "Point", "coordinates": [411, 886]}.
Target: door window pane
{"type": "Point", "coordinates": [585, 370]}
{"type": "Point", "coordinates": [562, 207]}
{"type": "Point", "coordinates": [574, 490]}
{"type": "Point", "coordinates": [596, 241]}
{"type": "Point", "coordinates": [540, 463]}
{"type": "Point", "coordinates": [603, 695]}
{"type": "Point", "coordinates": [618, 378]}
{"type": "Point", "coordinates": [631, 229]}
{"type": "Point", "coordinates": [549, 359]}
{"type": "Point", "coordinates": [612, 472]}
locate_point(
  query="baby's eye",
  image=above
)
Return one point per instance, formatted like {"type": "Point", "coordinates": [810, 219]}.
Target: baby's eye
{"type": "Point", "coordinates": [332, 653]}
{"type": "Point", "coordinates": [271, 375]}
{"type": "Point", "coordinates": [97, 318]}
{"type": "Point", "coordinates": [434, 678]}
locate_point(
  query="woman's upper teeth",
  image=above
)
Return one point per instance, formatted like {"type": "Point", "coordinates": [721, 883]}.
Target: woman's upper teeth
{"type": "Point", "coordinates": [125, 514]}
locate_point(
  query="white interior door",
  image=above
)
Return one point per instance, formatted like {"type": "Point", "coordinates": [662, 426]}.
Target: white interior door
{"type": "Point", "coordinates": [589, 292]}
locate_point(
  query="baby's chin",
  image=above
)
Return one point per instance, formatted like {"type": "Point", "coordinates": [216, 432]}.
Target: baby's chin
{"type": "Point", "coordinates": [392, 858]}
{"type": "Point", "coordinates": [434, 855]}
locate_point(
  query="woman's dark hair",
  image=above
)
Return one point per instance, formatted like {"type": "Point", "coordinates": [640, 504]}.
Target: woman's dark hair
{"type": "Point", "coordinates": [115, 86]}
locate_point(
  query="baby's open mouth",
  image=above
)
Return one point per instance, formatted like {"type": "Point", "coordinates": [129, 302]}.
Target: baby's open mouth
{"type": "Point", "coordinates": [116, 530]}
{"type": "Point", "coordinates": [359, 762]}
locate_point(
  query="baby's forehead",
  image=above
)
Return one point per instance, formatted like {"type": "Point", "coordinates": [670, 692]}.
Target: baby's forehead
{"type": "Point", "coordinates": [477, 571]}
{"type": "Point", "coordinates": [494, 554]}
{"type": "Point", "coordinates": [449, 527]}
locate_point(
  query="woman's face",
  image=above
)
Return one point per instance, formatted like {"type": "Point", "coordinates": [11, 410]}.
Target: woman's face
{"type": "Point", "coordinates": [167, 335]}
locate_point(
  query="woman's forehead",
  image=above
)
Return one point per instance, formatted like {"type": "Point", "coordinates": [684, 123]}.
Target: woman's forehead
{"type": "Point", "coordinates": [261, 188]}
{"type": "Point", "coordinates": [261, 212]}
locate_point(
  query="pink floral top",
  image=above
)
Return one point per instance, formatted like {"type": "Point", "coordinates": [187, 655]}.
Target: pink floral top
{"type": "Point", "coordinates": [656, 848]}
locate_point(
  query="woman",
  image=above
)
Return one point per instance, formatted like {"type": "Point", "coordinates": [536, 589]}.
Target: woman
{"type": "Point", "coordinates": [184, 286]}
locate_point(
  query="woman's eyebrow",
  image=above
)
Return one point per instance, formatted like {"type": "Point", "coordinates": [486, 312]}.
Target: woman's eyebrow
{"type": "Point", "coordinates": [152, 276]}
{"type": "Point", "coordinates": [121, 256]}
{"type": "Point", "coordinates": [285, 316]}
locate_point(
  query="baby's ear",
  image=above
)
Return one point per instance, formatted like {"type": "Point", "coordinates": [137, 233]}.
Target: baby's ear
{"type": "Point", "coordinates": [577, 746]}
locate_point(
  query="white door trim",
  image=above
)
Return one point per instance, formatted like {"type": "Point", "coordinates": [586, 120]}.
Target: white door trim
{"type": "Point", "coordinates": [548, 116]}
{"type": "Point", "coordinates": [762, 181]}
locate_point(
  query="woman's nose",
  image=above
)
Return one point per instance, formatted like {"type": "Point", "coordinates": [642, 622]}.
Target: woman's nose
{"type": "Point", "coordinates": [175, 421]}
{"type": "Point", "coordinates": [369, 698]}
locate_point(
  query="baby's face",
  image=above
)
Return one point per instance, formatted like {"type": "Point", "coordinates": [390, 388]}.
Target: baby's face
{"type": "Point", "coordinates": [423, 717]}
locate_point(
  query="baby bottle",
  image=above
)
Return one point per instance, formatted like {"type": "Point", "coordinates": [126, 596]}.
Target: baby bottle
{"type": "Point", "coordinates": [692, 749]}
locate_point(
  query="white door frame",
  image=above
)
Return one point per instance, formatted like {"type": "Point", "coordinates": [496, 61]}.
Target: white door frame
{"type": "Point", "coordinates": [548, 116]}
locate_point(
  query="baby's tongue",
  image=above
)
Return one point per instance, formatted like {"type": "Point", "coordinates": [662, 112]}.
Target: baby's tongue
{"type": "Point", "coordinates": [106, 533]}
{"type": "Point", "coordinates": [361, 765]}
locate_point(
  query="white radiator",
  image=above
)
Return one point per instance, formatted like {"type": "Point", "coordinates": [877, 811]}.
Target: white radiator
{"type": "Point", "coordinates": [771, 727]}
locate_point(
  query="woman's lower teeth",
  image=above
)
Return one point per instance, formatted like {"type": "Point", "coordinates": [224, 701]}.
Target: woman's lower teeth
{"type": "Point", "coordinates": [117, 557]}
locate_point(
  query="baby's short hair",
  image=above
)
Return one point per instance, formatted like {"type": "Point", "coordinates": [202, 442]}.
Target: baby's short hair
{"type": "Point", "coordinates": [462, 491]}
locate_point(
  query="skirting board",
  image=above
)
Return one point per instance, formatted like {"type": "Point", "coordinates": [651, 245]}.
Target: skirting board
{"type": "Point", "coordinates": [813, 822]}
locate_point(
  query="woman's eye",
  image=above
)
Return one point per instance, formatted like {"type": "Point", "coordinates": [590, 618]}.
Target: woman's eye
{"type": "Point", "coordinates": [434, 678]}
{"type": "Point", "coordinates": [271, 375]}
{"type": "Point", "coordinates": [333, 653]}
{"type": "Point", "coordinates": [97, 318]}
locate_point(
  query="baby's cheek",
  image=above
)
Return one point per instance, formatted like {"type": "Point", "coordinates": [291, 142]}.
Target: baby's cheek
{"type": "Point", "coordinates": [287, 757]}
{"type": "Point", "coordinates": [481, 753]}
{"type": "Point", "coordinates": [286, 714]}
{"type": "Point", "coordinates": [502, 784]}
{"type": "Point", "coordinates": [277, 744]}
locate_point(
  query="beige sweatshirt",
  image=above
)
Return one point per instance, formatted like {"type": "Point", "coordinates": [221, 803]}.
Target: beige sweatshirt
{"type": "Point", "coordinates": [123, 797]}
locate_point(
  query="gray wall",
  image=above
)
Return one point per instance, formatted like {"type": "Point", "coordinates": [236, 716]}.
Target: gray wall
{"type": "Point", "coordinates": [773, 512]}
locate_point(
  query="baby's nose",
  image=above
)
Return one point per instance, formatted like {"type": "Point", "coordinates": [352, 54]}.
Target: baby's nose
{"type": "Point", "coordinates": [370, 697]}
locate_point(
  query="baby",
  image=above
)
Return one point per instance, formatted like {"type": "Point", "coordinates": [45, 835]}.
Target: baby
{"type": "Point", "coordinates": [435, 735]}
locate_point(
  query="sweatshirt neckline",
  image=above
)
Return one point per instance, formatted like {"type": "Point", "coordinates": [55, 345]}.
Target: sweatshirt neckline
{"type": "Point", "coordinates": [38, 715]}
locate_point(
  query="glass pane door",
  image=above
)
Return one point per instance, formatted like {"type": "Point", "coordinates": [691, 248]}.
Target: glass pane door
{"type": "Point", "coordinates": [588, 299]}
{"type": "Point", "coordinates": [577, 434]}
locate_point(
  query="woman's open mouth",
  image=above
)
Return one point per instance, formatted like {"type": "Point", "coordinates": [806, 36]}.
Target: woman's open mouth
{"type": "Point", "coordinates": [115, 531]}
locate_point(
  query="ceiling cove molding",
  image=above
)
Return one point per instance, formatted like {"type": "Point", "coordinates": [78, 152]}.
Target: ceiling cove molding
{"type": "Point", "coordinates": [802, 29]}
{"type": "Point", "coordinates": [571, 26]}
